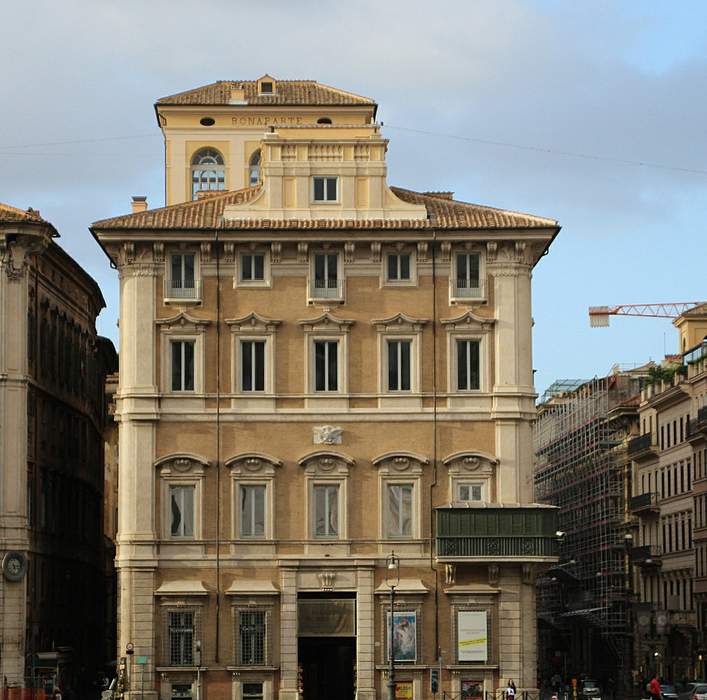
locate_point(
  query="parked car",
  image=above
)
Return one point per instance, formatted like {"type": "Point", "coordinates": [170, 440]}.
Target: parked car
{"type": "Point", "coordinates": [668, 692]}
{"type": "Point", "coordinates": [590, 689]}
{"type": "Point", "coordinates": [692, 689]}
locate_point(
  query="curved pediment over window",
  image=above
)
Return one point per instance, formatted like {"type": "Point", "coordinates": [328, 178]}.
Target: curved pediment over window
{"type": "Point", "coordinates": [253, 322]}
{"type": "Point", "coordinates": [185, 321]}
{"type": "Point", "coordinates": [326, 322]}
{"type": "Point", "coordinates": [400, 321]}
{"type": "Point", "coordinates": [401, 461]}
{"type": "Point", "coordinates": [468, 320]}
{"type": "Point", "coordinates": [326, 462]}
{"type": "Point", "coordinates": [471, 461]}
{"type": "Point", "coordinates": [182, 463]}
{"type": "Point", "coordinates": [253, 463]}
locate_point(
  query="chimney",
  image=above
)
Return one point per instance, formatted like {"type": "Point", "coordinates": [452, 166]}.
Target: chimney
{"type": "Point", "coordinates": [139, 204]}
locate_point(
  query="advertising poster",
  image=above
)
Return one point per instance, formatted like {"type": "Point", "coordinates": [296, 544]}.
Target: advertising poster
{"type": "Point", "coordinates": [472, 690]}
{"type": "Point", "coordinates": [403, 691]}
{"type": "Point", "coordinates": [472, 635]}
{"type": "Point", "coordinates": [404, 636]}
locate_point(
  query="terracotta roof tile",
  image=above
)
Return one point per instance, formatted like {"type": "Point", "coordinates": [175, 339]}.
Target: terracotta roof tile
{"type": "Point", "coordinates": [288, 92]}
{"type": "Point", "coordinates": [443, 213]}
{"type": "Point", "coordinates": [13, 215]}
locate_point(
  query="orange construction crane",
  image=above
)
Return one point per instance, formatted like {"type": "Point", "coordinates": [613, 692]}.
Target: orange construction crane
{"type": "Point", "coordinates": [599, 315]}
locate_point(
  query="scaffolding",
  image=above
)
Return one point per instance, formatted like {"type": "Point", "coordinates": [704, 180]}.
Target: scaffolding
{"type": "Point", "coordinates": [581, 466]}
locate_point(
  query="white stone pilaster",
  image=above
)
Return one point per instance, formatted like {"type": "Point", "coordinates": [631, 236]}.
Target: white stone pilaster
{"type": "Point", "coordinates": [365, 635]}
{"type": "Point", "coordinates": [288, 634]}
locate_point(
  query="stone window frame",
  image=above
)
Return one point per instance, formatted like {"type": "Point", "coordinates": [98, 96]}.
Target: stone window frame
{"type": "Point", "coordinates": [403, 603]}
{"type": "Point", "coordinates": [253, 469]}
{"type": "Point", "coordinates": [253, 326]}
{"type": "Point", "coordinates": [397, 249]}
{"type": "Point", "coordinates": [183, 326]}
{"type": "Point", "coordinates": [182, 604]}
{"type": "Point", "coordinates": [245, 604]}
{"type": "Point", "coordinates": [254, 676]}
{"type": "Point", "coordinates": [183, 249]}
{"type": "Point", "coordinates": [472, 466]}
{"type": "Point", "coordinates": [326, 468]}
{"type": "Point", "coordinates": [181, 469]}
{"type": "Point", "coordinates": [326, 249]}
{"type": "Point", "coordinates": [400, 467]}
{"type": "Point", "coordinates": [400, 327]}
{"type": "Point", "coordinates": [253, 249]}
{"type": "Point", "coordinates": [326, 327]}
{"type": "Point", "coordinates": [468, 326]}
{"type": "Point", "coordinates": [492, 631]}
{"type": "Point", "coordinates": [465, 249]}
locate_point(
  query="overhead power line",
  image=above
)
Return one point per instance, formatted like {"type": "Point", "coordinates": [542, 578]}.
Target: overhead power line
{"type": "Point", "coordinates": [77, 141]}
{"type": "Point", "coordinates": [551, 151]}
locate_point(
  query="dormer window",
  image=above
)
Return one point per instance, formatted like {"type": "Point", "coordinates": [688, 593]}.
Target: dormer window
{"type": "Point", "coordinates": [266, 88]}
{"type": "Point", "coordinates": [208, 172]}
{"type": "Point", "coordinates": [324, 120]}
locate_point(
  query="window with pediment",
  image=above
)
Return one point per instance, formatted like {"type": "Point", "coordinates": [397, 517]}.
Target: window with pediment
{"type": "Point", "coordinates": [183, 353]}
{"type": "Point", "coordinates": [400, 479]}
{"type": "Point", "coordinates": [468, 337]}
{"type": "Point", "coordinates": [399, 353]}
{"type": "Point", "coordinates": [181, 492]}
{"type": "Point", "coordinates": [472, 477]}
{"type": "Point", "coordinates": [326, 339]}
{"type": "Point", "coordinates": [326, 485]}
{"type": "Point", "coordinates": [253, 495]}
{"type": "Point", "coordinates": [253, 353]}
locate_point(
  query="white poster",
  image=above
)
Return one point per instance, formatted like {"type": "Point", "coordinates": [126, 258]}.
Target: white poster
{"type": "Point", "coordinates": [472, 636]}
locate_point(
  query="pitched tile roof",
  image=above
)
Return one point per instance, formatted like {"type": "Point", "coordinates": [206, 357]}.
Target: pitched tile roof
{"type": "Point", "coordinates": [13, 215]}
{"type": "Point", "coordinates": [443, 213]}
{"type": "Point", "coordinates": [287, 92]}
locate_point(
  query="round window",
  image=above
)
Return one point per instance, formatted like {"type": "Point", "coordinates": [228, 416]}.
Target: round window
{"type": "Point", "coordinates": [207, 121]}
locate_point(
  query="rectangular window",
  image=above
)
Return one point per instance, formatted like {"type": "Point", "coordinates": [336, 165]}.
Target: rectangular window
{"type": "Point", "coordinates": [326, 510]}
{"type": "Point", "coordinates": [251, 637]}
{"type": "Point", "coordinates": [398, 266]}
{"type": "Point", "coordinates": [468, 367]}
{"type": "Point", "coordinates": [399, 365]}
{"type": "Point", "coordinates": [182, 283]}
{"type": "Point", "coordinates": [181, 500]}
{"type": "Point", "coordinates": [252, 365]}
{"type": "Point", "coordinates": [326, 361]}
{"type": "Point", "coordinates": [252, 511]}
{"type": "Point", "coordinates": [252, 267]}
{"type": "Point", "coordinates": [325, 189]}
{"type": "Point", "coordinates": [182, 365]}
{"type": "Point", "coordinates": [467, 267]}
{"type": "Point", "coordinates": [399, 501]}
{"type": "Point", "coordinates": [181, 638]}
{"type": "Point", "coordinates": [252, 691]}
{"type": "Point", "coordinates": [469, 492]}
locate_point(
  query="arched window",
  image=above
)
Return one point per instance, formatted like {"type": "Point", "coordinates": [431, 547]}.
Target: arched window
{"type": "Point", "coordinates": [254, 168]}
{"type": "Point", "coordinates": [323, 120]}
{"type": "Point", "coordinates": [207, 171]}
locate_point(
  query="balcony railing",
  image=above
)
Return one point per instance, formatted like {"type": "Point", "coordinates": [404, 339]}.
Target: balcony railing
{"type": "Point", "coordinates": [466, 288]}
{"type": "Point", "coordinates": [497, 532]}
{"type": "Point", "coordinates": [644, 503]}
{"type": "Point", "coordinates": [326, 289]}
{"type": "Point", "coordinates": [702, 414]}
{"type": "Point", "coordinates": [188, 290]}
{"type": "Point", "coordinates": [641, 445]}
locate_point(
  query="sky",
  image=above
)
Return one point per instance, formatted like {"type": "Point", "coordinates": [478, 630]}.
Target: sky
{"type": "Point", "coordinates": [591, 113]}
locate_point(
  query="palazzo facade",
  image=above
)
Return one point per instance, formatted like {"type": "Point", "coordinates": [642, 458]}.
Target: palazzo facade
{"type": "Point", "coordinates": [318, 369]}
{"type": "Point", "coordinates": [52, 416]}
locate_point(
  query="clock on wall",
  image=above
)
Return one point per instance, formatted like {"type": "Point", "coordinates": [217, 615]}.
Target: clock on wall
{"type": "Point", "coordinates": [14, 566]}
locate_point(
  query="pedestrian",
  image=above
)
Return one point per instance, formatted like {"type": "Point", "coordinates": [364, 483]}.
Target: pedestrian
{"type": "Point", "coordinates": [654, 688]}
{"type": "Point", "coordinates": [56, 694]}
{"type": "Point", "coordinates": [510, 690]}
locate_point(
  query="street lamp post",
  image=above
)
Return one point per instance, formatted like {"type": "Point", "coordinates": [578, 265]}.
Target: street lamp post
{"type": "Point", "coordinates": [392, 578]}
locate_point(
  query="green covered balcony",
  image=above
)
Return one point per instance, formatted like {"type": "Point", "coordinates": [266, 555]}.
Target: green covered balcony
{"type": "Point", "coordinates": [497, 532]}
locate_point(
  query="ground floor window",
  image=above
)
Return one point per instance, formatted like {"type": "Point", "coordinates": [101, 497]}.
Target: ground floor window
{"type": "Point", "coordinates": [252, 691]}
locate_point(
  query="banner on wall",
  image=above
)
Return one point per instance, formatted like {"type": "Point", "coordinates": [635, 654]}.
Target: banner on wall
{"type": "Point", "coordinates": [472, 635]}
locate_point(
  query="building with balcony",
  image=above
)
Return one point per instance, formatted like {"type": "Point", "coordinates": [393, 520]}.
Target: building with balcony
{"type": "Point", "coordinates": [318, 369]}
{"type": "Point", "coordinates": [583, 437]}
{"type": "Point", "coordinates": [52, 416]}
{"type": "Point", "coordinates": [669, 490]}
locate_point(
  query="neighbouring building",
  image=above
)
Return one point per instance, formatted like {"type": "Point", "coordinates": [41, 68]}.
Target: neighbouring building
{"type": "Point", "coordinates": [318, 369]}
{"type": "Point", "coordinates": [582, 467]}
{"type": "Point", "coordinates": [670, 507]}
{"type": "Point", "coordinates": [52, 414]}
